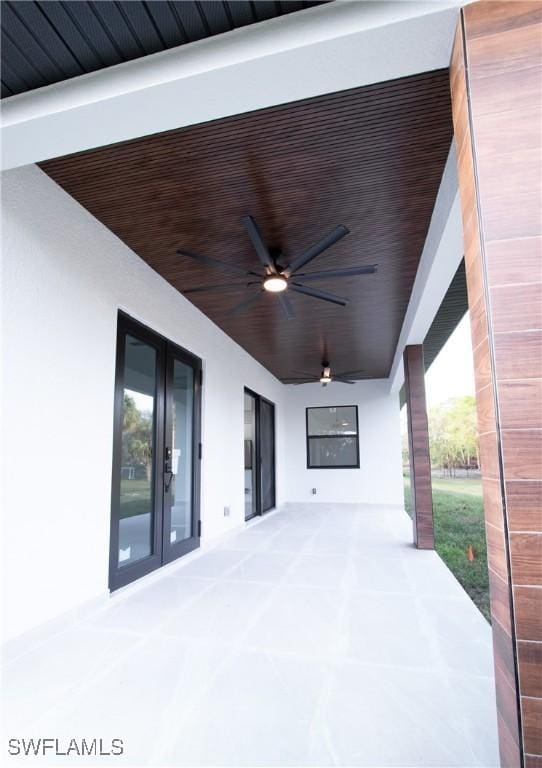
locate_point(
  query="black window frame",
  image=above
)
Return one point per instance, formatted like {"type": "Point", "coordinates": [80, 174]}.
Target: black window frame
{"type": "Point", "coordinates": [162, 552]}
{"type": "Point", "coordinates": [309, 437]}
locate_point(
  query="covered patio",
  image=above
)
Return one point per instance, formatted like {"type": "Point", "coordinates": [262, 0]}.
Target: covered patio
{"type": "Point", "coordinates": [317, 636]}
{"type": "Point", "coordinates": [234, 237]}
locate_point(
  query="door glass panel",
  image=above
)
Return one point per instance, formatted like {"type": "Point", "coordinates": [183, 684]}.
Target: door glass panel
{"type": "Point", "coordinates": [137, 465]}
{"type": "Point", "coordinates": [250, 456]}
{"type": "Point", "coordinates": [267, 452]}
{"type": "Point", "coordinates": [181, 452]}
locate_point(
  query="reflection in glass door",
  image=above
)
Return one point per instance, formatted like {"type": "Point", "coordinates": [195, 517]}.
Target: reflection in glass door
{"type": "Point", "coordinates": [155, 489]}
{"type": "Point", "coordinates": [137, 474]}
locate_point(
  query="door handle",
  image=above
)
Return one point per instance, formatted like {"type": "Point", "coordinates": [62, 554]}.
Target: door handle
{"type": "Point", "coordinates": [167, 470]}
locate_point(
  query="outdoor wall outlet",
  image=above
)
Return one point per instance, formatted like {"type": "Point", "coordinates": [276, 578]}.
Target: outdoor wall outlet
{"type": "Point", "coordinates": [226, 511]}
{"type": "Point", "coordinates": [313, 491]}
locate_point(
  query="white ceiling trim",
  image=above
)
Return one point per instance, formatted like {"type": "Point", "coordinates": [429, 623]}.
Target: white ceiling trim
{"type": "Point", "coordinates": [321, 50]}
{"type": "Point", "coordinates": [440, 259]}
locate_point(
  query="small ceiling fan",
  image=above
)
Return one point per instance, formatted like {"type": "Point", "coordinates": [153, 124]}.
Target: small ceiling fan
{"type": "Point", "coordinates": [326, 376]}
{"type": "Point", "coordinates": [276, 278]}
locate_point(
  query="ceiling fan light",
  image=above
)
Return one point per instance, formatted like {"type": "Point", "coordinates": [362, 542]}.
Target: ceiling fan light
{"type": "Point", "coordinates": [275, 283]}
{"type": "Point", "coordinates": [325, 379]}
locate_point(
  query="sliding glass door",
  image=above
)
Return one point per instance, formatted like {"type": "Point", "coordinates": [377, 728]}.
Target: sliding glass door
{"type": "Point", "coordinates": [155, 488]}
{"type": "Point", "coordinates": [259, 451]}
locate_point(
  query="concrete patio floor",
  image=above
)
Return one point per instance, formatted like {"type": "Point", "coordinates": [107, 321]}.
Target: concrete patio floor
{"type": "Point", "coordinates": [316, 637]}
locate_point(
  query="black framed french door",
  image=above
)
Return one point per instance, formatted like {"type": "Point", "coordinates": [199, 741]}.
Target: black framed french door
{"type": "Point", "coordinates": [156, 453]}
{"type": "Point", "coordinates": [259, 450]}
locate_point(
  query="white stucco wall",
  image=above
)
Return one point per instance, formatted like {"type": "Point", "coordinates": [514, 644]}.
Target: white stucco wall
{"type": "Point", "coordinates": [379, 478]}
{"type": "Point", "coordinates": [64, 278]}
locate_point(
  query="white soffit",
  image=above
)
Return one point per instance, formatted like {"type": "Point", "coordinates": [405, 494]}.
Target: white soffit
{"type": "Point", "coordinates": [341, 45]}
{"type": "Point", "coordinates": [441, 256]}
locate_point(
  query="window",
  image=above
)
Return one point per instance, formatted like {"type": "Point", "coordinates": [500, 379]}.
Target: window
{"type": "Point", "coordinates": [332, 437]}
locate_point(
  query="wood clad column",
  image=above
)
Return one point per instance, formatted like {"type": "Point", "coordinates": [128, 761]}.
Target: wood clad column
{"type": "Point", "coordinates": [496, 85]}
{"type": "Point", "coordinates": [418, 447]}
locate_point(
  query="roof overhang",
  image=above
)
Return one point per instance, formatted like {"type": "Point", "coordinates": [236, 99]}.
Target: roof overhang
{"type": "Point", "coordinates": [326, 49]}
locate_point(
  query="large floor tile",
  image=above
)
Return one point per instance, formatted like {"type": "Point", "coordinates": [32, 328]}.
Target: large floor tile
{"type": "Point", "coordinates": [221, 615]}
{"type": "Point", "coordinates": [317, 637]}
{"type": "Point", "coordinates": [264, 566]}
{"type": "Point", "coordinates": [40, 679]}
{"type": "Point", "coordinates": [299, 620]}
{"type": "Point", "coordinates": [388, 629]}
{"type": "Point", "coordinates": [275, 700]}
{"type": "Point", "coordinates": [148, 608]}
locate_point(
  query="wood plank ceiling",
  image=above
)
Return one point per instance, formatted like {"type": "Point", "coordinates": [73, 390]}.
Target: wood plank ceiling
{"type": "Point", "coordinates": [47, 42]}
{"type": "Point", "coordinates": [370, 158]}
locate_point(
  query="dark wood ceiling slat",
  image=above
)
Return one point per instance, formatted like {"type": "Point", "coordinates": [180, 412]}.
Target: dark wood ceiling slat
{"type": "Point", "coordinates": [371, 159]}
{"type": "Point", "coordinates": [391, 150]}
{"type": "Point", "coordinates": [296, 120]}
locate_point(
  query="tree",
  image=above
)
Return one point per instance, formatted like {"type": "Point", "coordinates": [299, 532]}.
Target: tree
{"type": "Point", "coordinates": [137, 427]}
{"type": "Point", "coordinates": [453, 438]}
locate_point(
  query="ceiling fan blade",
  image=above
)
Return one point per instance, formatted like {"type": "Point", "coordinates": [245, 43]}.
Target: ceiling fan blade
{"type": "Point", "coordinates": [343, 381]}
{"type": "Point", "coordinates": [315, 250]}
{"type": "Point", "coordinates": [297, 381]}
{"type": "Point", "coordinates": [245, 304]}
{"type": "Point", "coordinates": [219, 287]}
{"type": "Point", "coordinates": [307, 375]}
{"type": "Point", "coordinates": [216, 263]}
{"type": "Point", "coordinates": [323, 295]}
{"type": "Point", "coordinates": [259, 245]}
{"type": "Point", "coordinates": [286, 305]}
{"type": "Point", "coordinates": [328, 273]}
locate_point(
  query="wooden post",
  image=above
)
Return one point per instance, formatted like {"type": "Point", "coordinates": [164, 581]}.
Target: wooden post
{"type": "Point", "coordinates": [418, 447]}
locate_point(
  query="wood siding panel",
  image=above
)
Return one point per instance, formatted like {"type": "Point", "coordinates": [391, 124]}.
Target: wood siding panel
{"type": "Point", "coordinates": [524, 505]}
{"type": "Point", "coordinates": [496, 104]}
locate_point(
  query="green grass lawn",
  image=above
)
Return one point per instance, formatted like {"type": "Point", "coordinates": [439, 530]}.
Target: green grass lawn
{"type": "Point", "coordinates": [135, 497]}
{"type": "Point", "coordinates": [459, 521]}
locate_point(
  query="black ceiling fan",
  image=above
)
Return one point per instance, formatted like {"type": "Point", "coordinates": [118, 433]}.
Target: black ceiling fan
{"type": "Point", "coordinates": [276, 278]}
{"type": "Point", "coordinates": [325, 377]}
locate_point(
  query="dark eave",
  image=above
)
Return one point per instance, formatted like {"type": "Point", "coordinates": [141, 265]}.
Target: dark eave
{"type": "Point", "coordinates": [48, 42]}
